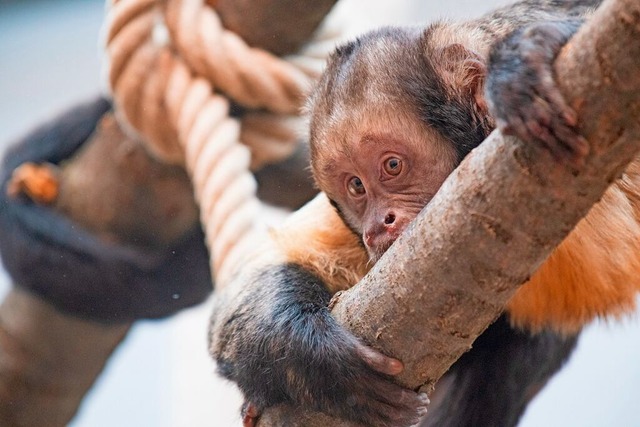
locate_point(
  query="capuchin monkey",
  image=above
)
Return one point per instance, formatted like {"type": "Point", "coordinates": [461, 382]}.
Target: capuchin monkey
{"type": "Point", "coordinates": [395, 112]}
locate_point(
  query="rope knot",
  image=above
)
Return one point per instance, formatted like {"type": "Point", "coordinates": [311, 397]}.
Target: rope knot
{"type": "Point", "coordinates": [171, 69]}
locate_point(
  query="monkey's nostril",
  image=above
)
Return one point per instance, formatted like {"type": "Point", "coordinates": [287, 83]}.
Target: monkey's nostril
{"type": "Point", "coordinates": [389, 219]}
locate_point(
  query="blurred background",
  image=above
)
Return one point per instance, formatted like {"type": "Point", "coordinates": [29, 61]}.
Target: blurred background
{"type": "Point", "coordinates": [162, 376]}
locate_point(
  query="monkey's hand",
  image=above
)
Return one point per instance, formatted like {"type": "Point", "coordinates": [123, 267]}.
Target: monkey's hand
{"type": "Point", "coordinates": [522, 93]}
{"type": "Point", "coordinates": [278, 341]}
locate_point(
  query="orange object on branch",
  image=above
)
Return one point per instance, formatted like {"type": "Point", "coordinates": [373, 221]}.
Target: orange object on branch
{"type": "Point", "coordinates": [38, 182]}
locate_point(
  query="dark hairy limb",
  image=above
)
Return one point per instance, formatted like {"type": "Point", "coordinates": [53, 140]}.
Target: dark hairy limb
{"type": "Point", "coordinates": [522, 93]}
{"type": "Point", "coordinates": [281, 345]}
{"type": "Point", "coordinates": [506, 366]}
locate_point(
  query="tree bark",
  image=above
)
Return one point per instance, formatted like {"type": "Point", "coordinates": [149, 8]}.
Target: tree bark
{"type": "Point", "coordinates": [114, 188]}
{"type": "Point", "coordinates": [497, 218]}
{"type": "Point", "coordinates": [48, 360]}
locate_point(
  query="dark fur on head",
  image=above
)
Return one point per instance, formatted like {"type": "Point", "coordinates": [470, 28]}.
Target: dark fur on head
{"type": "Point", "coordinates": [406, 68]}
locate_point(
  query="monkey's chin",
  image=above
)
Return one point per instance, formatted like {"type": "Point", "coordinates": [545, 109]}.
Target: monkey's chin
{"type": "Point", "coordinates": [376, 252]}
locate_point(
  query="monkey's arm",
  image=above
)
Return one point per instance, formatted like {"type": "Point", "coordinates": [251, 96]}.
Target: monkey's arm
{"type": "Point", "coordinates": [272, 332]}
{"type": "Point", "coordinates": [522, 93]}
{"type": "Point", "coordinates": [594, 272]}
{"type": "Point", "coordinates": [506, 366]}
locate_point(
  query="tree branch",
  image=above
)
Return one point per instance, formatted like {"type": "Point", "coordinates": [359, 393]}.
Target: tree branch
{"type": "Point", "coordinates": [497, 218]}
{"type": "Point", "coordinates": [48, 360]}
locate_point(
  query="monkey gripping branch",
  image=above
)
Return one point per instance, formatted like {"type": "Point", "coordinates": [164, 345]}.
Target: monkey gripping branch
{"type": "Point", "coordinates": [496, 218]}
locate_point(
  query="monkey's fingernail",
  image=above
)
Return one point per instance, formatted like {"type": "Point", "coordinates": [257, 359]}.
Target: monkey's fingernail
{"type": "Point", "coordinates": [424, 398]}
{"type": "Point", "coordinates": [570, 117]}
{"type": "Point", "coordinates": [395, 367]}
{"type": "Point", "coordinates": [583, 146]}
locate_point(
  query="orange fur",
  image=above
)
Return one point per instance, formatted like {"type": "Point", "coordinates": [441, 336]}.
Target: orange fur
{"type": "Point", "coordinates": [595, 272]}
{"type": "Point", "coordinates": [329, 249]}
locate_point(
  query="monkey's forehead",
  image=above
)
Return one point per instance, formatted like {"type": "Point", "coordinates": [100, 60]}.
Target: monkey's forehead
{"type": "Point", "coordinates": [369, 68]}
{"type": "Point", "coordinates": [341, 139]}
{"type": "Point", "coordinates": [344, 124]}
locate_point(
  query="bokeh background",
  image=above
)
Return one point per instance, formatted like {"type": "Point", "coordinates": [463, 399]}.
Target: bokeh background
{"type": "Point", "coordinates": [161, 376]}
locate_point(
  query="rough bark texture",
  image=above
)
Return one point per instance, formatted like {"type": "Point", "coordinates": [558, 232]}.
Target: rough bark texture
{"type": "Point", "coordinates": [113, 187]}
{"type": "Point", "coordinates": [497, 218]}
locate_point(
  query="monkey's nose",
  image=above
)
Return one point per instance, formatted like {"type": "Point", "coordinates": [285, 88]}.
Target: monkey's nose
{"type": "Point", "coordinates": [378, 238]}
{"type": "Point", "coordinates": [389, 219]}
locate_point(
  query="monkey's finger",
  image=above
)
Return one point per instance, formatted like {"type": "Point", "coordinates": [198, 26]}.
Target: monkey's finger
{"type": "Point", "coordinates": [570, 137]}
{"type": "Point", "coordinates": [378, 361]}
{"type": "Point", "coordinates": [393, 404]}
{"type": "Point", "coordinates": [541, 112]}
{"type": "Point", "coordinates": [554, 113]}
{"type": "Point", "coordinates": [559, 104]}
{"type": "Point", "coordinates": [542, 134]}
{"type": "Point", "coordinates": [250, 414]}
{"type": "Point", "coordinates": [576, 146]}
{"type": "Point", "coordinates": [397, 396]}
{"type": "Point", "coordinates": [547, 90]}
{"type": "Point", "coordinates": [565, 119]}
{"type": "Point", "coordinates": [529, 130]}
{"type": "Point", "coordinates": [546, 137]}
{"type": "Point", "coordinates": [516, 127]}
{"type": "Point", "coordinates": [382, 415]}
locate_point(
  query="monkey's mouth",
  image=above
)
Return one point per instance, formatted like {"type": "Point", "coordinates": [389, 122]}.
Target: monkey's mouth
{"type": "Point", "coordinates": [376, 251]}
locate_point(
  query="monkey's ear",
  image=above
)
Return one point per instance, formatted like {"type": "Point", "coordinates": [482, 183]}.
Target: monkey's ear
{"type": "Point", "coordinates": [464, 71]}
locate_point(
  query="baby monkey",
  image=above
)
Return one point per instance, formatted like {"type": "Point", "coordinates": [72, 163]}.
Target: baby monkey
{"type": "Point", "coordinates": [395, 112]}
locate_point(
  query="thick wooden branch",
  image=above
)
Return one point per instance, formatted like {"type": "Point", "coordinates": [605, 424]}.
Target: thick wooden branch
{"type": "Point", "coordinates": [497, 218]}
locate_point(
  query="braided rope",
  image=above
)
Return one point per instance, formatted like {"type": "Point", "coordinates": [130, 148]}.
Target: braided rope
{"type": "Point", "coordinates": [167, 59]}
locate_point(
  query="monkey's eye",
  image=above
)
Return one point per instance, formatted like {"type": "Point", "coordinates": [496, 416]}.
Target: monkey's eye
{"type": "Point", "coordinates": [355, 186]}
{"type": "Point", "coordinates": [393, 166]}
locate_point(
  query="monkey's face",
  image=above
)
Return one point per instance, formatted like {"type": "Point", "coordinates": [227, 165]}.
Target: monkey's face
{"type": "Point", "coordinates": [372, 151]}
{"type": "Point", "coordinates": [380, 173]}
